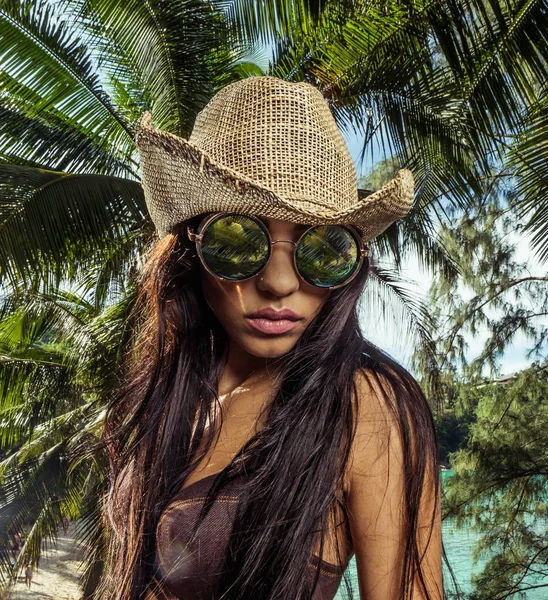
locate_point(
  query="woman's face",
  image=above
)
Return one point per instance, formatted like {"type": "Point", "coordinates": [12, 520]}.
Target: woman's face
{"type": "Point", "coordinates": [276, 288]}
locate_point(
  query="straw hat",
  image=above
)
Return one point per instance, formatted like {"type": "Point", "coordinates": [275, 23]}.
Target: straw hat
{"type": "Point", "coordinates": [267, 147]}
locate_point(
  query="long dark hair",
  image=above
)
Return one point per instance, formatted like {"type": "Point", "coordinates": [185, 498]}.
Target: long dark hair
{"type": "Point", "coordinates": [294, 463]}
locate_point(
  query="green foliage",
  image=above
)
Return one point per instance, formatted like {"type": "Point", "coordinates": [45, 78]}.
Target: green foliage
{"type": "Point", "coordinates": [490, 294]}
{"type": "Point", "coordinates": [528, 158]}
{"type": "Point", "coordinates": [74, 78]}
{"type": "Point", "coordinates": [454, 420]}
{"type": "Point", "coordinates": [383, 172]}
{"type": "Point", "coordinates": [452, 432]}
{"type": "Point", "coordinates": [500, 483]}
{"type": "Point", "coordinates": [58, 368]}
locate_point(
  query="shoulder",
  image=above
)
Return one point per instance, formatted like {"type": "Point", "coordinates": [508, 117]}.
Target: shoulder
{"type": "Point", "coordinates": [376, 425]}
{"type": "Point", "coordinates": [375, 405]}
{"type": "Point", "coordinates": [392, 496]}
{"type": "Point", "coordinates": [373, 389]}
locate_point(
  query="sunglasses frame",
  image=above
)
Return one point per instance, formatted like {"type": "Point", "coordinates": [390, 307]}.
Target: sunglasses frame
{"type": "Point", "coordinates": [197, 236]}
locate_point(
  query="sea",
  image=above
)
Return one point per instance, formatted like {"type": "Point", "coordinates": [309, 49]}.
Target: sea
{"type": "Point", "coordinates": [459, 545]}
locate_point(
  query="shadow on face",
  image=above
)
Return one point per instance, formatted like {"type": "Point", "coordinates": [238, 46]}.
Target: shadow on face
{"type": "Point", "coordinates": [278, 286]}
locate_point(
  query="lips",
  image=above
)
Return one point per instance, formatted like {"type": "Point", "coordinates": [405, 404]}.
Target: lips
{"type": "Point", "coordinates": [275, 315]}
{"type": "Point", "coordinates": [273, 322]}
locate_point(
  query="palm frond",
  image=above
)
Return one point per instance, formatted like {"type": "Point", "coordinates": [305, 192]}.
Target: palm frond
{"type": "Point", "coordinates": [55, 144]}
{"type": "Point", "coordinates": [266, 22]}
{"type": "Point", "coordinates": [40, 51]}
{"type": "Point", "coordinates": [174, 51]}
{"type": "Point", "coordinates": [53, 218]}
{"type": "Point", "coordinates": [392, 300]}
{"type": "Point", "coordinates": [528, 159]}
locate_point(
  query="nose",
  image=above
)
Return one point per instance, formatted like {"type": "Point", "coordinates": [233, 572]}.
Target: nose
{"type": "Point", "coordinates": [279, 276]}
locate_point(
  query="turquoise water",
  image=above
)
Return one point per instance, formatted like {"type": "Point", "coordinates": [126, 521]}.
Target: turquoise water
{"type": "Point", "coordinates": [459, 545]}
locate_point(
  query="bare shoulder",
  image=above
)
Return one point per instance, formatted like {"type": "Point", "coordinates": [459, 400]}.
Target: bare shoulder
{"type": "Point", "coordinates": [372, 389]}
{"type": "Point", "coordinates": [376, 422]}
{"type": "Point", "coordinates": [378, 486]}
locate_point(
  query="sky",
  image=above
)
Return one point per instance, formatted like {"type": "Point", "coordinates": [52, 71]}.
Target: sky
{"type": "Point", "coordinates": [399, 346]}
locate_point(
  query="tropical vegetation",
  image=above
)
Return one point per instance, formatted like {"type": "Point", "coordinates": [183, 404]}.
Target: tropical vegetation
{"type": "Point", "coordinates": [499, 484]}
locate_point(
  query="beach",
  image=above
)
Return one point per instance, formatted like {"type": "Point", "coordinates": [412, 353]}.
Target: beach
{"type": "Point", "coordinates": [57, 576]}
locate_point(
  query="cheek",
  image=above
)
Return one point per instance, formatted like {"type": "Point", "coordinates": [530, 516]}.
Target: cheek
{"type": "Point", "coordinates": [228, 300]}
{"type": "Point", "coordinates": [317, 297]}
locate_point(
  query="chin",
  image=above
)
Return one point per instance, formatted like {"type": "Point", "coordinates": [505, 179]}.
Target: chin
{"type": "Point", "coordinates": [269, 348]}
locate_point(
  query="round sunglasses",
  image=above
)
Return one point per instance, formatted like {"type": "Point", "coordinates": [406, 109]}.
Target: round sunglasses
{"type": "Point", "coordinates": [236, 247]}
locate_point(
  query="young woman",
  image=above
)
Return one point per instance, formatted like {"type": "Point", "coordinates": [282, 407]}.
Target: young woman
{"type": "Point", "coordinates": [259, 441]}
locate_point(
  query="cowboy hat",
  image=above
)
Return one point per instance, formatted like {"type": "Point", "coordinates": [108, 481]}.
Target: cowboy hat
{"type": "Point", "coordinates": [267, 147]}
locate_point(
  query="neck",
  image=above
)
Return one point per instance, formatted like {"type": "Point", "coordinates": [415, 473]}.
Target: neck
{"type": "Point", "coordinates": [239, 366]}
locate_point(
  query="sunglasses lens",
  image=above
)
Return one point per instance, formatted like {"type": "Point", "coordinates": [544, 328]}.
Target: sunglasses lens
{"type": "Point", "coordinates": [235, 247]}
{"type": "Point", "coordinates": [327, 255]}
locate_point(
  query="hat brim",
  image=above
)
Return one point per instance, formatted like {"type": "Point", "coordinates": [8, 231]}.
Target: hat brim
{"type": "Point", "coordinates": [180, 181]}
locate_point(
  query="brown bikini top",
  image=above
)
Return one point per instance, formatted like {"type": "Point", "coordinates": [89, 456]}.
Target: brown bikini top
{"type": "Point", "coordinates": [191, 569]}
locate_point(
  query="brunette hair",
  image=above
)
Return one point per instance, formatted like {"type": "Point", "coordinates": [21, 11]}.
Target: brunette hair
{"type": "Point", "coordinates": [170, 385]}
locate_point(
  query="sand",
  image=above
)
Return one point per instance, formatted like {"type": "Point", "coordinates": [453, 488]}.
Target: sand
{"type": "Point", "coordinates": [57, 576]}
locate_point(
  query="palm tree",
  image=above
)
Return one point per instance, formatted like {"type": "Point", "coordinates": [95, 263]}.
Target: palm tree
{"type": "Point", "coordinates": [439, 87]}
{"type": "Point", "coordinates": [74, 80]}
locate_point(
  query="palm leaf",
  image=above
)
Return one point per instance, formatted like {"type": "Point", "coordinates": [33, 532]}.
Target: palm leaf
{"type": "Point", "coordinates": [60, 71]}
{"type": "Point", "coordinates": [529, 161]}
{"type": "Point", "coordinates": [55, 144]}
{"type": "Point", "coordinates": [266, 22]}
{"type": "Point", "coordinates": [174, 51]}
{"type": "Point", "coordinates": [392, 300]}
{"type": "Point", "coordinates": [52, 218]}
{"type": "Point", "coordinates": [58, 365]}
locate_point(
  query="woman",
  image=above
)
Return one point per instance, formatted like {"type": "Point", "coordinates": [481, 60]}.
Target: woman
{"type": "Point", "coordinates": [259, 441]}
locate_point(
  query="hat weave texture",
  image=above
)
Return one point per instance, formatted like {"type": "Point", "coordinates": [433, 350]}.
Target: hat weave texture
{"type": "Point", "coordinates": [268, 147]}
